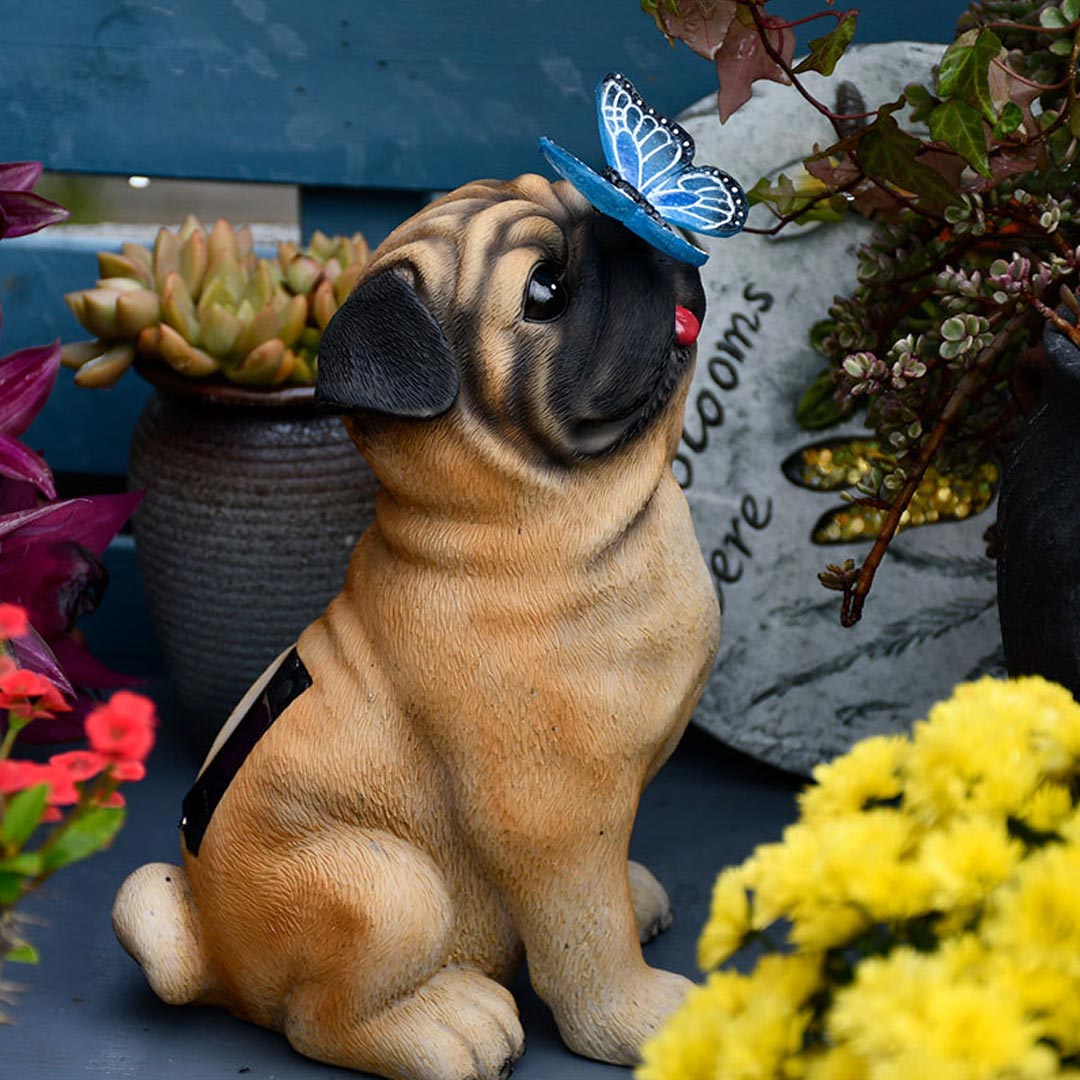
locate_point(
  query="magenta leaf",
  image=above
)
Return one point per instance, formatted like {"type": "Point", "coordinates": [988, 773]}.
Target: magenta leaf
{"type": "Point", "coordinates": [57, 583]}
{"type": "Point", "coordinates": [17, 495]}
{"type": "Point", "coordinates": [19, 462]}
{"type": "Point", "coordinates": [25, 212]}
{"type": "Point", "coordinates": [19, 175]}
{"type": "Point", "coordinates": [91, 521]}
{"type": "Point", "coordinates": [33, 653]}
{"type": "Point", "coordinates": [26, 380]}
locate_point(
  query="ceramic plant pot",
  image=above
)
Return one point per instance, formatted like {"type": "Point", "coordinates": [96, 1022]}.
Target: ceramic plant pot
{"type": "Point", "coordinates": [254, 501]}
{"type": "Point", "coordinates": [1038, 531]}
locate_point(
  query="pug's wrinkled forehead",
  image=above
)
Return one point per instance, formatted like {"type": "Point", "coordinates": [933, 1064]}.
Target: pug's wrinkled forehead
{"type": "Point", "coordinates": [519, 302]}
{"type": "Point", "coordinates": [452, 244]}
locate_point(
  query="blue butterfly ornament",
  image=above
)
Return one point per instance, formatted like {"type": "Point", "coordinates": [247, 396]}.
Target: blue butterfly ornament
{"type": "Point", "coordinates": [651, 182]}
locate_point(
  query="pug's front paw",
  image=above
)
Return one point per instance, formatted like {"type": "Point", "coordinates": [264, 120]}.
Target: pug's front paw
{"type": "Point", "coordinates": [615, 1025]}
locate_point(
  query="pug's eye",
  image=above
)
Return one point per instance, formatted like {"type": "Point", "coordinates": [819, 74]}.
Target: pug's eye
{"type": "Point", "coordinates": [545, 295]}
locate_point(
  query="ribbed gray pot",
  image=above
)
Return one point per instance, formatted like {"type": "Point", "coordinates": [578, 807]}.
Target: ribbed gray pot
{"type": "Point", "coordinates": [253, 504]}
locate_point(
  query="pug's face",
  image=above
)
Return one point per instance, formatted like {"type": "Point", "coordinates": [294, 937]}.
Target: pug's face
{"type": "Point", "coordinates": [521, 306]}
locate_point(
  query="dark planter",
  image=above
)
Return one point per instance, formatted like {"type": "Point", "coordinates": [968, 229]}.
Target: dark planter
{"type": "Point", "coordinates": [254, 501]}
{"type": "Point", "coordinates": [1038, 531]}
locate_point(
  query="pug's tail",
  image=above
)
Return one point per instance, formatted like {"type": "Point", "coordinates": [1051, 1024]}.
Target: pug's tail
{"type": "Point", "coordinates": [155, 918]}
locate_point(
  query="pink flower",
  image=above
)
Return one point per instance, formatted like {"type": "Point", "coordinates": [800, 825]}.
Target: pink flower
{"type": "Point", "coordinates": [13, 621]}
{"type": "Point", "coordinates": [123, 728]}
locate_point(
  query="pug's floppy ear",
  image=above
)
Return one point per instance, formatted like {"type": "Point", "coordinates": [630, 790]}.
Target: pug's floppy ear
{"type": "Point", "coordinates": [384, 352]}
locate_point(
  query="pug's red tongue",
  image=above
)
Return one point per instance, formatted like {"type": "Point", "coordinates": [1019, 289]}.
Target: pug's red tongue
{"type": "Point", "coordinates": [687, 326]}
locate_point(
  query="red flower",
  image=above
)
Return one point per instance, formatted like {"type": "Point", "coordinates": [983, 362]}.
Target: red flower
{"type": "Point", "coordinates": [115, 801]}
{"type": "Point", "coordinates": [19, 775]}
{"type": "Point", "coordinates": [30, 692]}
{"type": "Point", "coordinates": [128, 770]}
{"type": "Point", "coordinates": [13, 621]}
{"type": "Point", "coordinates": [80, 764]}
{"type": "Point", "coordinates": [62, 789]}
{"type": "Point", "coordinates": [123, 728]}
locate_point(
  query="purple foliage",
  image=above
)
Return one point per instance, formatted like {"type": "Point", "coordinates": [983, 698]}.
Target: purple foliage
{"type": "Point", "coordinates": [21, 211]}
{"type": "Point", "coordinates": [49, 550]}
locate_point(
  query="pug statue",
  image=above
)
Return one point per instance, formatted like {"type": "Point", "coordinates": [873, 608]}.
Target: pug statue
{"type": "Point", "coordinates": [441, 776]}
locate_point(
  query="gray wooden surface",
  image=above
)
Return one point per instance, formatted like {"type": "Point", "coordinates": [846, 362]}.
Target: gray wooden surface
{"type": "Point", "coordinates": [87, 1013]}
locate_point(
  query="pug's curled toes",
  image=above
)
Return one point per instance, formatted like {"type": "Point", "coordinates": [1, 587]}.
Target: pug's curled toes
{"type": "Point", "coordinates": [459, 1025]}
{"type": "Point", "coordinates": [616, 1027]}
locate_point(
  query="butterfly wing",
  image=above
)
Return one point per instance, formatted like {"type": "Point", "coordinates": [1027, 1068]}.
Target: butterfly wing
{"type": "Point", "coordinates": [611, 200]}
{"type": "Point", "coordinates": [702, 199]}
{"type": "Point", "coordinates": [644, 147]}
{"type": "Point", "coordinates": [656, 156]}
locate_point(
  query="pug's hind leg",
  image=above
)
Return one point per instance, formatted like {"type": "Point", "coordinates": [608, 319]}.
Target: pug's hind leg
{"type": "Point", "coordinates": [460, 1025]}
{"type": "Point", "coordinates": [652, 907]}
{"type": "Point", "coordinates": [379, 996]}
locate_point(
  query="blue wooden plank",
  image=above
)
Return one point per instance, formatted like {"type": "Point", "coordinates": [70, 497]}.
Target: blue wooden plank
{"type": "Point", "coordinates": [420, 96]}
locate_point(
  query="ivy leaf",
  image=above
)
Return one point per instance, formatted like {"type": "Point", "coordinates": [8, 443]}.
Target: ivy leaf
{"type": "Point", "coordinates": [825, 51]}
{"type": "Point", "coordinates": [920, 99]}
{"type": "Point", "coordinates": [1012, 116]}
{"type": "Point", "coordinates": [889, 156]}
{"type": "Point", "coordinates": [1071, 10]}
{"type": "Point", "coordinates": [22, 814]}
{"type": "Point", "coordinates": [700, 24]}
{"type": "Point", "coordinates": [965, 70]}
{"type": "Point", "coordinates": [85, 835]}
{"type": "Point", "coordinates": [741, 60]}
{"type": "Point", "coordinates": [959, 126]}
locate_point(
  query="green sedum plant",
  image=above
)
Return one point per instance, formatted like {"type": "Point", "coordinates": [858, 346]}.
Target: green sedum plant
{"type": "Point", "coordinates": [204, 304]}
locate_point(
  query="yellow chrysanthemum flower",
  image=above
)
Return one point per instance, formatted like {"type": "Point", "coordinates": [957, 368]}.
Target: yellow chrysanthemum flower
{"type": "Point", "coordinates": [1036, 918]}
{"type": "Point", "coordinates": [837, 1063]}
{"type": "Point", "coordinates": [931, 894]}
{"type": "Point", "coordinates": [1049, 807]}
{"type": "Point", "coordinates": [911, 1007]}
{"type": "Point", "coordinates": [729, 920]}
{"type": "Point", "coordinates": [687, 1047]}
{"type": "Point", "coordinates": [968, 858]}
{"type": "Point", "coordinates": [868, 773]}
{"type": "Point", "coordinates": [972, 755]}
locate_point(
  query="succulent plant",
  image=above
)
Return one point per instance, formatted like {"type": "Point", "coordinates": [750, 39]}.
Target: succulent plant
{"type": "Point", "coordinates": [204, 304]}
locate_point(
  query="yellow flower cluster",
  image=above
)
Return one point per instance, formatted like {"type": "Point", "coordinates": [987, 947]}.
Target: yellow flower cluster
{"type": "Point", "coordinates": [930, 895]}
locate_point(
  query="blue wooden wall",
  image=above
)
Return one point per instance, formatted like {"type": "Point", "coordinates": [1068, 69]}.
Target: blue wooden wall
{"type": "Point", "coordinates": [369, 107]}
